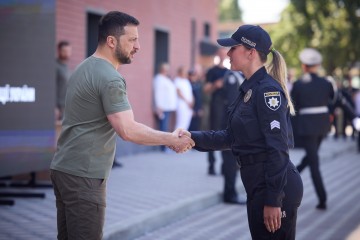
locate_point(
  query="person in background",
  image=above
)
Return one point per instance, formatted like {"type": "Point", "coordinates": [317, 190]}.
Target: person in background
{"type": "Point", "coordinates": [165, 98]}
{"type": "Point", "coordinates": [259, 134]}
{"type": "Point", "coordinates": [232, 82]}
{"type": "Point", "coordinates": [342, 117]}
{"type": "Point", "coordinates": [185, 102]}
{"type": "Point", "coordinates": [96, 109]}
{"type": "Point", "coordinates": [64, 52]}
{"type": "Point", "coordinates": [197, 89]}
{"type": "Point", "coordinates": [214, 87]}
{"type": "Point", "coordinates": [357, 110]}
{"type": "Point", "coordinates": [312, 95]}
{"type": "Point", "coordinates": [347, 93]}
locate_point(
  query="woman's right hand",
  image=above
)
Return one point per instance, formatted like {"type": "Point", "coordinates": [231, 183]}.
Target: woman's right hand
{"type": "Point", "coordinates": [272, 218]}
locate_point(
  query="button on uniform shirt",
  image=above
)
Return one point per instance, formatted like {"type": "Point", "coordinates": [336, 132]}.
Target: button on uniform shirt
{"type": "Point", "coordinates": [259, 122]}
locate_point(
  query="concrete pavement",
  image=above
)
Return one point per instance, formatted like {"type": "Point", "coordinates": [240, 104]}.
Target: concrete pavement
{"type": "Point", "coordinates": [340, 169]}
{"type": "Point", "coordinates": [170, 196]}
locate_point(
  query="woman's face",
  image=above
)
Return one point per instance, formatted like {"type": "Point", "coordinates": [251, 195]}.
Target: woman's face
{"type": "Point", "coordinates": [238, 57]}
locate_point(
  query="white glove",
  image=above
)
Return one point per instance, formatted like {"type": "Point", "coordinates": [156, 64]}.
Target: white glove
{"type": "Point", "coordinates": [356, 123]}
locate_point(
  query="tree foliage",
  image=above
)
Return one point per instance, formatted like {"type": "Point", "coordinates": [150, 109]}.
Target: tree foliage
{"type": "Point", "coordinates": [229, 11]}
{"type": "Point", "coordinates": [331, 26]}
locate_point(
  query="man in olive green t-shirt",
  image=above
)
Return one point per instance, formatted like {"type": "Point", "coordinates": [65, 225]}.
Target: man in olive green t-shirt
{"type": "Point", "coordinates": [89, 151]}
{"type": "Point", "coordinates": [96, 109]}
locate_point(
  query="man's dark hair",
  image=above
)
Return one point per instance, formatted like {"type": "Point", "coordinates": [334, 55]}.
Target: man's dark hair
{"type": "Point", "coordinates": [113, 23]}
{"type": "Point", "coordinates": [62, 44]}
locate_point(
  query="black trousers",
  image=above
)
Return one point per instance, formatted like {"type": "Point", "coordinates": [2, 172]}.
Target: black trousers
{"type": "Point", "coordinates": [211, 159]}
{"type": "Point", "coordinates": [255, 186]}
{"type": "Point", "coordinates": [216, 121]}
{"type": "Point", "coordinates": [230, 169]}
{"type": "Point", "coordinates": [311, 145]}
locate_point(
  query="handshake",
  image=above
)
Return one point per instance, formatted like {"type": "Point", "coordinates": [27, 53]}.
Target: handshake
{"type": "Point", "coordinates": [181, 141]}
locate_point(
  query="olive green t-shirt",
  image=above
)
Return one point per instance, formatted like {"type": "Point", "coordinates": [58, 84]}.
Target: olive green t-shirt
{"type": "Point", "coordinates": [86, 146]}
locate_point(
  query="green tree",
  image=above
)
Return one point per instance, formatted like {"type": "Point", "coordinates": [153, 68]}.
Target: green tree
{"type": "Point", "coordinates": [331, 26]}
{"type": "Point", "coordinates": [229, 11]}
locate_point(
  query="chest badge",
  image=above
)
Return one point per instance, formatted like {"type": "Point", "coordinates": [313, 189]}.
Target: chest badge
{"type": "Point", "coordinates": [247, 95]}
{"type": "Point", "coordinates": [272, 100]}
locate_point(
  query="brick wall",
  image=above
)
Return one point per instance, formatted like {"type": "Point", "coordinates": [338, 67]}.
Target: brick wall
{"type": "Point", "coordinates": [171, 15]}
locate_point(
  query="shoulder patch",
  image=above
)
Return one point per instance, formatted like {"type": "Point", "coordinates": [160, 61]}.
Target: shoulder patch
{"type": "Point", "coordinates": [272, 100]}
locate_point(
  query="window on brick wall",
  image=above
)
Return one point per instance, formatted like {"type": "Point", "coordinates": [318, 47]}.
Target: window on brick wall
{"type": "Point", "coordinates": [161, 48]}
{"type": "Point", "coordinates": [207, 30]}
{"type": "Point", "coordinates": [92, 32]}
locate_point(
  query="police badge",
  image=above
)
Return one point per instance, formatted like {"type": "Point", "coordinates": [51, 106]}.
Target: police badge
{"type": "Point", "coordinates": [272, 100]}
{"type": "Point", "coordinates": [247, 95]}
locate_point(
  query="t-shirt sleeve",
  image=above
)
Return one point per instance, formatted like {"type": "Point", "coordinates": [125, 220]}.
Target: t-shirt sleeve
{"type": "Point", "coordinates": [114, 97]}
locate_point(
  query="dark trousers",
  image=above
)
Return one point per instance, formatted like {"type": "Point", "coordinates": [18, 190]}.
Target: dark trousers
{"type": "Point", "coordinates": [80, 204]}
{"type": "Point", "coordinates": [216, 122]}
{"type": "Point", "coordinates": [164, 124]}
{"type": "Point", "coordinates": [255, 204]}
{"type": "Point", "coordinates": [195, 123]}
{"type": "Point", "coordinates": [211, 159]}
{"type": "Point", "coordinates": [230, 169]}
{"type": "Point", "coordinates": [311, 145]}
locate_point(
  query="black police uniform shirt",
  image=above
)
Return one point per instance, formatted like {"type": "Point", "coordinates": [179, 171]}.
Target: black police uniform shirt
{"type": "Point", "coordinates": [215, 73]}
{"type": "Point", "coordinates": [232, 82]}
{"type": "Point", "coordinates": [217, 102]}
{"type": "Point", "coordinates": [197, 93]}
{"type": "Point", "coordinates": [309, 93]}
{"type": "Point", "coordinates": [259, 122]}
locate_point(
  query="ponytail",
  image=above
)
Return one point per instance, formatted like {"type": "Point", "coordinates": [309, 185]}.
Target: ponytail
{"type": "Point", "coordinates": [277, 69]}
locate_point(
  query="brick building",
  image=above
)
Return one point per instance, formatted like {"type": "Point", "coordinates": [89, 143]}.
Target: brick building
{"type": "Point", "coordinates": [180, 32]}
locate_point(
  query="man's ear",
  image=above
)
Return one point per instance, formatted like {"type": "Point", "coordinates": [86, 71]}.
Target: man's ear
{"type": "Point", "coordinates": [111, 42]}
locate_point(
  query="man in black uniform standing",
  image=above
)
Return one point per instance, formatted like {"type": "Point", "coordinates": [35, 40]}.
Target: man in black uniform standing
{"type": "Point", "coordinates": [214, 87]}
{"type": "Point", "coordinates": [223, 85]}
{"type": "Point", "coordinates": [232, 82]}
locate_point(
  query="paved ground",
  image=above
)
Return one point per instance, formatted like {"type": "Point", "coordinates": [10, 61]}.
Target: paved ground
{"type": "Point", "coordinates": [341, 177]}
{"type": "Point", "coordinates": [172, 194]}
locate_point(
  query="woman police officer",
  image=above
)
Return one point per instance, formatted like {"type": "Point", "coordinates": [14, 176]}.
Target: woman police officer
{"type": "Point", "coordinates": [259, 133]}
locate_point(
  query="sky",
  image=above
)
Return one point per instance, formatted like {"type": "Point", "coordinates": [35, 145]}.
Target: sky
{"type": "Point", "coordinates": [262, 11]}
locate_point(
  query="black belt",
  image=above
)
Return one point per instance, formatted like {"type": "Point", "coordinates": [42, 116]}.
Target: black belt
{"type": "Point", "coordinates": [251, 159]}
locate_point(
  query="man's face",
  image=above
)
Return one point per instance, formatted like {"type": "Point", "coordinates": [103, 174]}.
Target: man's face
{"type": "Point", "coordinates": [127, 45]}
{"type": "Point", "coordinates": [65, 52]}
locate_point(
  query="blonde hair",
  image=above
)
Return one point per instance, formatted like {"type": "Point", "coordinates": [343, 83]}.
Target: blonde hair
{"type": "Point", "coordinates": [277, 69]}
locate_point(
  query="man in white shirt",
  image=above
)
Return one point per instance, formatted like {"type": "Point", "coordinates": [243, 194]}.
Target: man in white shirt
{"type": "Point", "coordinates": [165, 97]}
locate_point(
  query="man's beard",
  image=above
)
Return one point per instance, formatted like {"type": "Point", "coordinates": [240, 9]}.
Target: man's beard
{"type": "Point", "coordinates": [120, 56]}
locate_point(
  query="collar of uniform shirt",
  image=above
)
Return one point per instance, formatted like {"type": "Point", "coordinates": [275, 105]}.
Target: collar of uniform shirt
{"type": "Point", "coordinates": [249, 83]}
